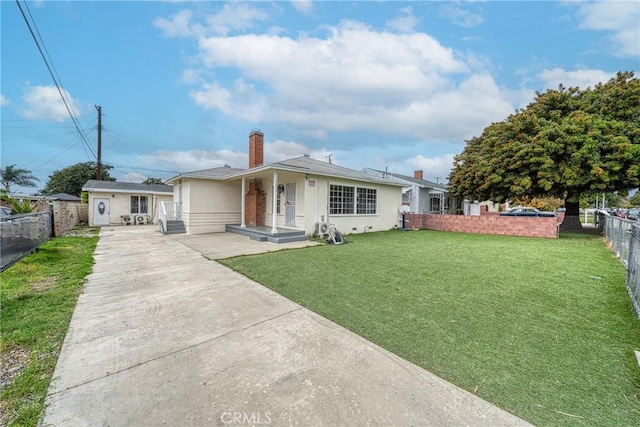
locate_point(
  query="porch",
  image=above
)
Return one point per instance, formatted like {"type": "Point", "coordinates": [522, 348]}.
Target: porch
{"type": "Point", "coordinates": [263, 233]}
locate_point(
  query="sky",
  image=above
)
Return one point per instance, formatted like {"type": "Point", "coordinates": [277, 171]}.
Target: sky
{"type": "Point", "coordinates": [378, 84]}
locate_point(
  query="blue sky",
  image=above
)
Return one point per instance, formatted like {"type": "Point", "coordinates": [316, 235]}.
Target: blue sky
{"type": "Point", "coordinates": [373, 84]}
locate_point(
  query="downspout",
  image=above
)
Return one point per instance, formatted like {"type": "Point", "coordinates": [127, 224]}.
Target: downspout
{"type": "Point", "coordinates": [242, 201]}
{"type": "Point", "coordinates": [274, 205]}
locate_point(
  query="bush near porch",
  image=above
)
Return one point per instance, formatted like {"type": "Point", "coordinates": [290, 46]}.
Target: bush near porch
{"type": "Point", "coordinates": [540, 327]}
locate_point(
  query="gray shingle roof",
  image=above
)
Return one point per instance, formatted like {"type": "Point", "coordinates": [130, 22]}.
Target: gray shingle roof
{"type": "Point", "coordinates": [308, 165]}
{"type": "Point", "coordinates": [421, 182]}
{"type": "Point", "coordinates": [214, 173]}
{"type": "Point", "coordinates": [93, 184]}
{"type": "Point", "coordinates": [64, 197]}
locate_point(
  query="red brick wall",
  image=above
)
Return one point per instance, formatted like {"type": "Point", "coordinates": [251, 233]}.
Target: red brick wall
{"type": "Point", "coordinates": [255, 203]}
{"type": "Point", "coordinates": [487, 224]}
{"type": "Point", "coordinates": [256, 149]}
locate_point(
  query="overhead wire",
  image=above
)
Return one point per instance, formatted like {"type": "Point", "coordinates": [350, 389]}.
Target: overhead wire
{"type": "Point", "coordinates": [49, 64]}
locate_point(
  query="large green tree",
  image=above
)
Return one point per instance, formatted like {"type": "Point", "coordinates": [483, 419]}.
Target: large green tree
{"type": "Point", "coordinates": [565, 143]}
{"type": "Point", "coordinates": [11, 175]}
{"type": "Point", "coordinates": [71, 179]}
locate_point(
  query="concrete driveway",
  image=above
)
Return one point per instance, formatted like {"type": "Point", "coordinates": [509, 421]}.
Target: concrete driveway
{"type": "Point", "coordinates": [163, 336]}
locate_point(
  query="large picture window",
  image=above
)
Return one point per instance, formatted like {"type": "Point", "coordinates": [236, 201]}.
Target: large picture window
{"type": "Point", "coordinates": [367, 201]}
{"type": "Point", "coordinates": [346, 200]}
{"type": "Point", "coordinates": [139, 205]}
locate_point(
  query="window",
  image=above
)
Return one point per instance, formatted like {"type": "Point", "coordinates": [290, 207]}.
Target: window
{"type": "Point", "coordinates": [278, 201]}
{"type": "Point", "coordinates": [345, 200]}
{"type": "Point", "coordinates": [367, 201]}
{"type": "Point", "coordinates": [139, 205]}
{"type": "Point", "coordinates": [435, 202]}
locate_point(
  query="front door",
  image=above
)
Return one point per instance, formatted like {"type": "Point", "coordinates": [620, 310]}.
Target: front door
{"type": "Point", "coordinates": [290, 204]}
{"type": "Point", "coordinates": [100, 211]}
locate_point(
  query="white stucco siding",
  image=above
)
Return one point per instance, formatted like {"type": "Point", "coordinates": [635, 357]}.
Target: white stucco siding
{"type": "Point", "coordinates": [208, 205]}
{"type": "Point", "coordinates": [387, 217]}
{"type": "Point", "coordinates": [120, 205]}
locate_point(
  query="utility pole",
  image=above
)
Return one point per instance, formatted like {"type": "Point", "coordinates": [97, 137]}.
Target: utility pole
{"type": "Point", "coordinates": [98, 169]}
{"type": "Point", "coordinates": [437, 179]}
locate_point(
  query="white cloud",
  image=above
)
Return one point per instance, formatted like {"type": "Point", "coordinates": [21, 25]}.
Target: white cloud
{"type": "Point", "coordinates": [178, 26]}
{"type": "Point", "coordinates": [231, 17]}
{"type": "Point", "coordinates": [404, 22]}
{"type": "Point", "coordinates": [434, 168]}
{"type": "Point", "coordinates": [192, 160]}
{"type": "Point", "coordinates": [620, 18]}
{"type": "Point", "coordinates": [355, 79]}
{"type": "Point", "coordinates": [45, 103]}
{"type": "Point", "coordinates": [460, 16]}
{"type": "Point", "coordinates": [580, 78]}
{"type": "Point", "coordinates": [282, 150]}
{"type": "Point", "coordinates": [4, 101]}
{"type": "Point", "coordinates": [304, 6]}
{"type": "Point", "coordinates": [132, 177]}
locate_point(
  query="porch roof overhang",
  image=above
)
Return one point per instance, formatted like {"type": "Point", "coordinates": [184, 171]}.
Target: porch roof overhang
{"type": "Point", "coordinates": [266, 171]}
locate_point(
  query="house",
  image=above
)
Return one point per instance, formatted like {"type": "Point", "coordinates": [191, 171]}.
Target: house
{"type": "Point", "coordinates": [128, 203]}
{"type": "Point", "coordinates": [296, 194]}
{"type": "Point", "coordinates": [420, 195]}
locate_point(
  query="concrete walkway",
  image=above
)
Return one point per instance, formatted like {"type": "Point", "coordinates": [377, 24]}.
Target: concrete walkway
{"type": "Point", "coordinates": [163, 336]}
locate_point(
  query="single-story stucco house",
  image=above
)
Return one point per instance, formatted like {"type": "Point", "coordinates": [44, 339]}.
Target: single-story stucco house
{"type": "Point", "coordinates": [295, 194]}
{"type": "Point", "coordinates": [422, 196]}
{"type": "Point", "coordinates": [127, 203]}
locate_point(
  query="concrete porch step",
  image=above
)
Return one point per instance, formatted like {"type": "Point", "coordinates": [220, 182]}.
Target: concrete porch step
{"type": "Point", "coordinates": [175, 227]}
{"type": "Point", "coordinates": [264, 234]}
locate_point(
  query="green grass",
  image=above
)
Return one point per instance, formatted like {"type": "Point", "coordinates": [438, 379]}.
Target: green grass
{"type": "Point", "coordinates": [540, 327]}
{"type": "Point", "coordinates": [38, 296]}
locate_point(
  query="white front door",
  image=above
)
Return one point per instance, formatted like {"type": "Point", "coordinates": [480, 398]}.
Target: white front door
{"type": "Point", "coordinates": [290, 204]}
{"type": "Point", "coordinates": [100, 211]}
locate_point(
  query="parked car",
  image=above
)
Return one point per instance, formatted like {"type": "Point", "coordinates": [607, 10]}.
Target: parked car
{"type": "Point", "coordinates": [526, 211]}
{"type": "Point", "coordinates": [634, 214]}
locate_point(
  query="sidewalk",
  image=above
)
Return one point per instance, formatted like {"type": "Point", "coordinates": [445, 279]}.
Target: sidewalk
{"type": "Point", "coordinates": [163, 336]}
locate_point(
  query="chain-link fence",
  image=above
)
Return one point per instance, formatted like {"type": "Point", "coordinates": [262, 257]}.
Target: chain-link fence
{"type": "Point", "coordinates": [22, 234]}
{"type": "Point", "coordinates": [624, 237]}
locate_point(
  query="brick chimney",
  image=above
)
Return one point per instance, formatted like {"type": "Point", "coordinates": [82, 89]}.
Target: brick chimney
{"type": "Point", "coordinates": [256, 149]}
{"type": "Point", "coordinates": [417, 174]}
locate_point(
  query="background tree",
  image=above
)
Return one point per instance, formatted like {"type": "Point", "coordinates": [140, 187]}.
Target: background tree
{"type": "Point", "coordinates": [635, 200]}
{"type": "Point", "coordinates": [71, 179]}
{"type": "Point", "coordinates": [565, 143]}
{"type": "Point", "coordinates": [152, 181]}
{"type": "Point", "coordinates": [11, 175]}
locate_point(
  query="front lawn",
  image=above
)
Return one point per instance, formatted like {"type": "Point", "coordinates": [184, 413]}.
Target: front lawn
{"type": "Point", "coordinates": [38, 295]}
{"type": "Point", "coordinates": [540, 327]}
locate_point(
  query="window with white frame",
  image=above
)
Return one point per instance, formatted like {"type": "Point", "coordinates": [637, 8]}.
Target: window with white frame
{"type": "Point", "coordinates": [139, 205]}
{"type": "Point", "coordinates": [347, 200]}
{"type": "Point", "coordinates": [367, 201]}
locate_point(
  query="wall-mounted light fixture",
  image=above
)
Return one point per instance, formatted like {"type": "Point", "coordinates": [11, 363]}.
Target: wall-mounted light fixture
{"type": "Point", "coordinates": [280, 188]}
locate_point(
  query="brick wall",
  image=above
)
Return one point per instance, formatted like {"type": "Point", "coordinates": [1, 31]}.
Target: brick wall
{"type": "Point", "coordinates": [66, 215]}
{"type": "Point", "coordinates": [256, 149]}
{"type": "Point", "coordinates": [255, 204]}
{"type": "Point", "coordinates": [488, 223]}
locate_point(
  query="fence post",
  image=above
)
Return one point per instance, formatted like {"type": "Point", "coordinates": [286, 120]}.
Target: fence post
{"type": "Point", "coordinates": [633, 268]}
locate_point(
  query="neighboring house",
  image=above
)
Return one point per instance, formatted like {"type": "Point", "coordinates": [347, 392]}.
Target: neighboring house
{"type": "Point", "coordinates": [112, 202]}
{"type": "Point", "coordinates": [298, 194]}
{"type": "Point", "coordinates": [420, 195]}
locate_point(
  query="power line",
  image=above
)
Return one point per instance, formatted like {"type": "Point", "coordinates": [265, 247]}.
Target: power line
{"type": "Point", "coordinates": [61, 89]}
